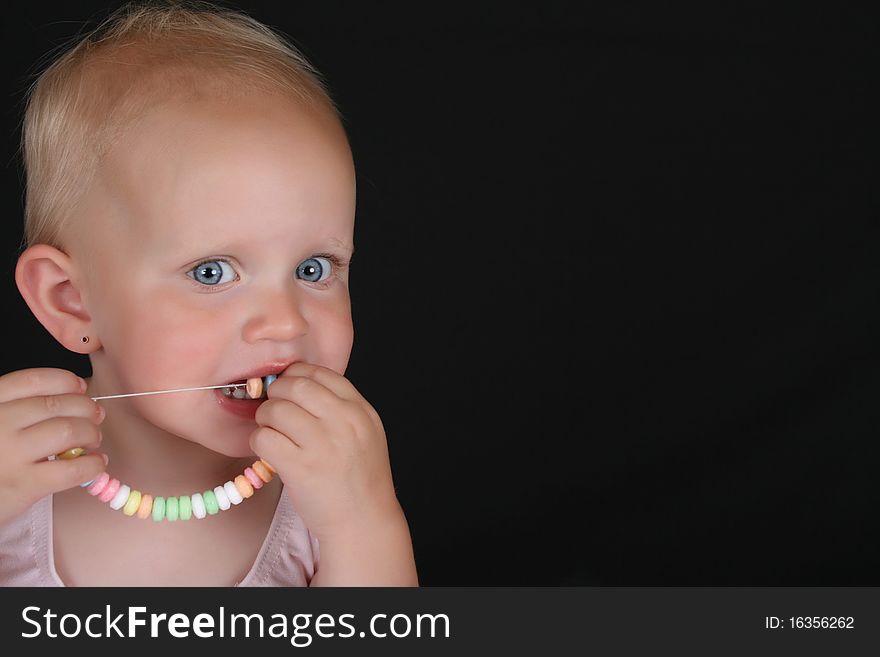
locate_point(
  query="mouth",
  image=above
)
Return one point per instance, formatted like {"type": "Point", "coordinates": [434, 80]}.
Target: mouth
{"type": "Point", "coordinates": [238, 391]}
{"type": "Point", "coordinates": [253, 385]}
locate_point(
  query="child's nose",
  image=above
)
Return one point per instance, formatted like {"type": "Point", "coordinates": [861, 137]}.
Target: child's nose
{"type": "Point", "coordinates": [277, 315]}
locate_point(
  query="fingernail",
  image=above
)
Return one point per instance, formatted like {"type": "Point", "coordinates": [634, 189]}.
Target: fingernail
{"type": "Point", "coordinates": [82, 384]}
{"type": "Point", "coordinates": [102, 413]}
{"type": "Point", "coordinates": [106, 459]}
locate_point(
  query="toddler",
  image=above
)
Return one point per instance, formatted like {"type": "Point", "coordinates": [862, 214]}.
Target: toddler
{"type": "Point", "coordinates": [189, 223]}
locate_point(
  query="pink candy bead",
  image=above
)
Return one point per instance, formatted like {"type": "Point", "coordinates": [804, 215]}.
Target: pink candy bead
{"type": "Point", "coordinates": [110, 492]}
{"type": "Point", "coordinates": [99, 484]}
{"type": "Point", "coordinates": [253, 477]}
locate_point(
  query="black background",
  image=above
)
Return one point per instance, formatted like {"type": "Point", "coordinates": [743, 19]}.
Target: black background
{"type": "Point", "coordinates": [615, 290]}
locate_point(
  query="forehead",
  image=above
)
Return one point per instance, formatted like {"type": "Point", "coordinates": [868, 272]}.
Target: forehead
{"type": "Point", "coordinates": [245, 169]}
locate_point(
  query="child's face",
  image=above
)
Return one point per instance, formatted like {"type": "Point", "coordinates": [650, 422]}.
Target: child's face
{"type": "Point", "coordinates": [214, 228]}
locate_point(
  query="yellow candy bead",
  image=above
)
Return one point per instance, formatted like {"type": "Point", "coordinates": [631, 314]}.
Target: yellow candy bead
{"type": "Point", "coordinates": [72, 453]}
{"type": "Point", "coordinates": [244, 486]}
{"type": "Point", "coordinates": [132, 503]}
{"type": "Point", "coordinates": [262, 471]}
{"type": "Point", "coordinates": [145, 508]}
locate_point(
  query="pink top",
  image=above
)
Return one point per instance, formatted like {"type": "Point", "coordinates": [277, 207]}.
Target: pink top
{"type": "Point", "coordinates": [288, 557]}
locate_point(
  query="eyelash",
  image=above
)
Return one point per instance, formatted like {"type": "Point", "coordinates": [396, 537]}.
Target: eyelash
{"type": "Point", "coordinates": [337, 262]}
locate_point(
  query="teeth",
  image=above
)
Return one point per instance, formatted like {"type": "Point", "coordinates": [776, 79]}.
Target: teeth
{"type": "Point", "coordinates": [255, 389]}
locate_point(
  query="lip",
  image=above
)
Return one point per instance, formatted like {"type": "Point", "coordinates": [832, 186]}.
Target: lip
{"type": "Point", "coordinates": [275, 367]}
{"type": "Point", "coordinates": [244, 408]}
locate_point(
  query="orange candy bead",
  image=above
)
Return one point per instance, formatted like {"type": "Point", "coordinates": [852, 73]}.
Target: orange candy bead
{"type": "Point", "coordinates": [244, 486]}
{"type": "Point", "coordinates": [254, 388]}
{"type": "Point", "coordinates": [262, 471]}
{"type": "Point", "coordinates": [146, 507]}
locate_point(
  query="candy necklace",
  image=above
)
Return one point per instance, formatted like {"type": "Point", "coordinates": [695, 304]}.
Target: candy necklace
{"type": "Point", "coordinates": [209, 502]}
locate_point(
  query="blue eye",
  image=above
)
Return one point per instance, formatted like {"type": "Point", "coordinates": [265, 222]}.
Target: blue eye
{"type": "Point", "coordinates": [317, 270]}
{"type": "Point", "coordinates": [210, 272]}
{"type": "Point", "coordinates": [312, 268]}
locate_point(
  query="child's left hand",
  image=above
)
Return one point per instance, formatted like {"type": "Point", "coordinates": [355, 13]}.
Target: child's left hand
{"type": "Point", "coordinates": [328, 445]}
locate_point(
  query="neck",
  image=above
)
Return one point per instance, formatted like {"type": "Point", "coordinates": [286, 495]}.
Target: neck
{"type": "Point", "coordinates": [154, 461]}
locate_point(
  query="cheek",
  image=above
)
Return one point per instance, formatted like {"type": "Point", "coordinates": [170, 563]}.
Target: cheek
{"type": "Point", "coordinates": [335, 337]}
{"type": "Point", "coordinates": [168, 341]}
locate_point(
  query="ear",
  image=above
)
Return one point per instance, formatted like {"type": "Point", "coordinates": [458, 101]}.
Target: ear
{"type": "Point", "coordinates": [47, 280]}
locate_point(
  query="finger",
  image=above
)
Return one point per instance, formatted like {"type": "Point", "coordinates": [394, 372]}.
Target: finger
{"type": "Point", "coordinates": [57, 435]}
{"type": "Point", "coordinates": [330, 379]}
{"type": "Point", "coordinates": [314, 397]}
{"type": "Point", "coordinates": [273, 446]}
{"type": "Point", "coordinates": [59, 475]}
{"type": "Point", "coordinates": [38, 381]}
{"type": "Point", "coordinates": [293, 422]}
{"type": "Point", "coordinates": [22, 413]}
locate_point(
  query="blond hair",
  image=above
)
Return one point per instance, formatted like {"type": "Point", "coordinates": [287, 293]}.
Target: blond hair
{"type": "Point", "coordinates": [144, 54]}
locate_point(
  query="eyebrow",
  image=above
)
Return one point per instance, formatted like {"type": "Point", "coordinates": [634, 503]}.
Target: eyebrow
{"type": "Point", "coordinates": [341, 244]}
{"type": "Point", "coordinates": [229, 247]}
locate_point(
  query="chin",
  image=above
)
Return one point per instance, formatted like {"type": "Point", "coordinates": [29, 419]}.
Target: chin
{"type": "Point", "coordinates": [232, 450]}
{"type": "Point", "coordinates": [246, 452]}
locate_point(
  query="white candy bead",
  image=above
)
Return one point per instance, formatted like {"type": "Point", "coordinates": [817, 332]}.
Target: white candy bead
{"type": "Point", "coordinates": [222, 499]}
{"type": "Point", "coordinates": [198, 505]}
{"type": "Point", "coordinates": [120, 498]}
{"type": "Point", "coordinates": [232, 492]}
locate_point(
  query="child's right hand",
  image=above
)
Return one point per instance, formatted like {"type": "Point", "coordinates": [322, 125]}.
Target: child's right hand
{"type": "Point", "coordinates": [44, 411]}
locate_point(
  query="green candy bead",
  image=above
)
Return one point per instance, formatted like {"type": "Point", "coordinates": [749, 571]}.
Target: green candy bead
{"type": "Point", "coordinates": [159, 509]}
{"type": "Point", "coordinates": [184, 507]}
{"type": "Point", "coordinates": [211, 505]}
{"type": "Point", "coordinates": [171, 509]}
